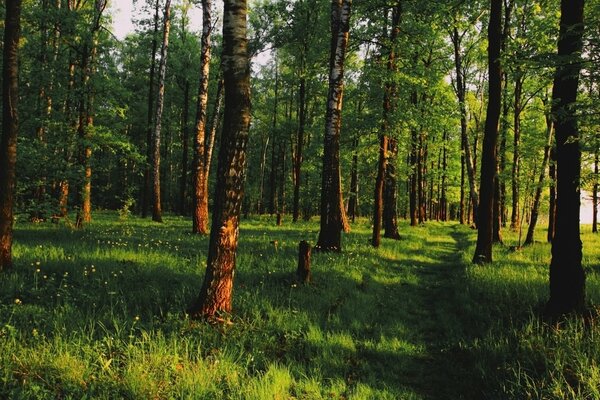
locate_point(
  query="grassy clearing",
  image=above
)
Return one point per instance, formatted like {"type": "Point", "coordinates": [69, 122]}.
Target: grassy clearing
{"type": "Point", "coordinates": [99, 314]}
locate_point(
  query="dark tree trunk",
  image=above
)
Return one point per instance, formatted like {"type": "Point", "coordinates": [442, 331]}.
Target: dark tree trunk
{"type": "Point", "coordinates": [378, 201]}
{"type": "Point", "coordinates": [201, 159]}
{"type": "Point", "coordinates": [461, 217]}
{"type": "Point", "coordinates": [489, 157]}
{"type": "Point", "coordinates": [147, 173]}
{"type": "Point", "coordinates": [299, 146]}
{"type": "Point", "coordinates": [595, 189]}
{"type": "Point", "coordinates": [274, 164]}
{"type": "Point", "coordinates": [540, 184]}
{"type": "Point", "coordinates": [160, 99]}
{"type": "Point", "coordinates": [10, 128]}
{"type": "Point", "coordinates": [567, 277]}
{"type": "Point", "coordinates": [216, 292]}
{"type": "Point", "coordinates": [443, 199]}
{"type": "Point", "coordinates": [515, 217]}
{"type": "Point", "coordinates": [552, 202]}
{"type": "Point", "coordinates": [461, 90]}
{"type": "Point", "coordinates": [185, 133]}
{"type": "Point", "coordinates": [353, 200]}
{"type": "Point", "coordinates": [332, 211]}
{"type": "Point", "coordinates": [390, 195]}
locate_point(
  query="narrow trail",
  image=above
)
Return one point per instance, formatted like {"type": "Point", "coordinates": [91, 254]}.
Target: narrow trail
{"type": "Point", "coordinates": [411, 334]}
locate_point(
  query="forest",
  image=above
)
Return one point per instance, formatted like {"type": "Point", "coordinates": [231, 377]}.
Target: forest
{"type": "Point", "coordinates": [406, 193]}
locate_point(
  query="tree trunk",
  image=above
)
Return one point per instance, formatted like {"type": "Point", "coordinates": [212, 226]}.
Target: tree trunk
{"type": "Point", "coordinates": [540, 184]}
{"type": "Point", "coordinates": [216, 293]}
{"type": "Point", "coordinates": [567, 277]}
{"type": "Point", "coordinates": [299, 146]}
{"type": "Point", "coordinates": [274, 169]}
{"type": "Point", "coordinates": [160, 99]}
{"type": "Point", "coordinates": [552, 202]}
{"type": "Point", "coordinates": [185, 133]}
{"type": "Point", "coordinates": [378, 201]}
{"type": "Point", "coordinates": [390, 195]}
{"type": "Point", "coordinates": [149, 127]}
{"type": "Point", "coordinates": [461, 90]}
{"type": "Point", "coordinates": [332, 211]}
{"type": "Point", "coordinates": [353, 200]}
{"type": "Point", "coordinates": [515, 218]}
{"type": "Point", "coordinates": [200, 213]}
{"type": "Point", "coordinates": [86, 115]}
{"type": "Point", "coordinates": [595, 189]}
{"type": "Point", "coordinates": [489, 157]}
{"type": "Point", "coordinates": [10, 128]}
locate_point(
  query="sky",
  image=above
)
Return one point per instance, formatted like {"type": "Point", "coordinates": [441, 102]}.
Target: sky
{"type": "Point", "coordinates": [122, 12]}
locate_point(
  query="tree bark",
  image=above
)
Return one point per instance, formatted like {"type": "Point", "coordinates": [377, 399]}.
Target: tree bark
{"type": "Point", "coordinates": [185, 133]}
{"type": "Point", "coordinates": [461, 90]}
{"type": "Point", "coordinates": [489, 157]}
{"type": "Point", "coordinates": [299, 145]}
{"type": "Point", "coordinates": [390, 195]}
{"type": "Point", "coordinates": [595, 189]}
{"type": "Point", "coordinates": [378, 201]}
{"type": "Point", "coordinates": [540, 184]}
{"type": "Point", "coordinates": [86, 115]}
{"type": "Point", "coordinates": [514, 217]}
{"type": "Point", "coordinates": [332, 211]}
{"type": "Point", "coordinates": [10, 128]}
{"type": "Point", "coordinates": [200, 214]}
{"type": "Point", "coordinates": [160, 100]}
{"type": "Point", "coordinates": [567, 277]}
{"type": "Point", "coordinates": [149, 127]}
{"type": "Point", "coordinates": [216, 292]}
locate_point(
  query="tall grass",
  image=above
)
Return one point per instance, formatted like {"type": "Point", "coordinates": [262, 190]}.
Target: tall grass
{"type": "Point", "coordinates": [99, 313]}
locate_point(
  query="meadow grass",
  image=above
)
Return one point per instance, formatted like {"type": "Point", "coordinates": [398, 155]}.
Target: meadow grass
{"type": "Point", "coordinates": [99, 314]}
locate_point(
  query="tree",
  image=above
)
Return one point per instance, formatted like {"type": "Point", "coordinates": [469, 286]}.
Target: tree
{"type": "Point", "coordinates": [567, 277]}
{"type": "Point", "coordinates": [201, 145]}
{"type": "Point", "coordinates": [216, 292]}
{"type": "Point", "coordinates": [485, 220]}
{"type": "Point", "coordinates": [332, 211]}
{"type": "Point", "coordinates": [160, 98]}
{"type": "Point", "coordinates": [10, 127]}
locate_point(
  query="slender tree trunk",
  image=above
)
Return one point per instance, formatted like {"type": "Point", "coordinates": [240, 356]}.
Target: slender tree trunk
{"type": "Point", "coordinates": [567, 277]}
{"type": "Point", "coordinates": [263, 166]}
{"type": "Point", "coordinates": [489, 157]}
{"type": "Point", "coordinates": [160, 99]}
{"type": "Point", "coordinates": [414, 156]}
{"type": "Point", "coordinates": [185, 133]}
{"type": "Point", "coordinates": [332, 211]}
{"type": "Point", "coordinates": [353, 200]}
{"type": "Point", "coordinates": [274, 169]}
{"type": "Point", "coordinates": [552, 196]}
{"type": "Point", "coordinates": [462, 218]}
{"type": "Point", "coordinates": [200, 214]}
{"type": "Point", "coordinates": [150, 126]}
{"type": "Point", "coordinates": [390, 195]}
{"type": "Point", "coordinates": [461, 90]}
{"type": "Point", "coordinates": [595, 189]}
{"type": "Point", "coordinates": [299, 145]}
{"type": "Point", "coordinates": [540, 184]}
{"type": "Point", "coordinates": [379, 182]}
{"type": "Point", "coordinates": [515, 218]}
{"type": "Point", "coordinates": [390, 192]}
{"type": "Point", "coordinates": [216, 292]}
{"type": "Point", "coordinates": [10, 128]}
{"type": "Point", "coordinates": [86, 115]}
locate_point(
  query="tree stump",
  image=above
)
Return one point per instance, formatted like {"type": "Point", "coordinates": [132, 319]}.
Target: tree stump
{"type": "Point", "coordinates": [303, 271]}
{"type": "Point", "coordinates": [279, 219]}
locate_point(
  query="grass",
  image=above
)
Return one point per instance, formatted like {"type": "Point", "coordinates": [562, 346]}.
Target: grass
{"type": "Point", "coordinates": [99, 314]}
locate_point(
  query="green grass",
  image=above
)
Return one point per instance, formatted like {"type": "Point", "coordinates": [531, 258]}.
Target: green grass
{"type": "Point", "coordinates": [99, 313]}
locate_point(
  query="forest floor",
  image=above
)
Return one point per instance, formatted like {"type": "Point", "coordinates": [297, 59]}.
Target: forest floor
{"type": "Point", "coordinates": [99, 313]}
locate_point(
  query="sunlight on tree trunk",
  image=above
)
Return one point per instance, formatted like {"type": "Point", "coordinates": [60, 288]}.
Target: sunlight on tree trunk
{"type": "Point", "coordinates": [216, 292]}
